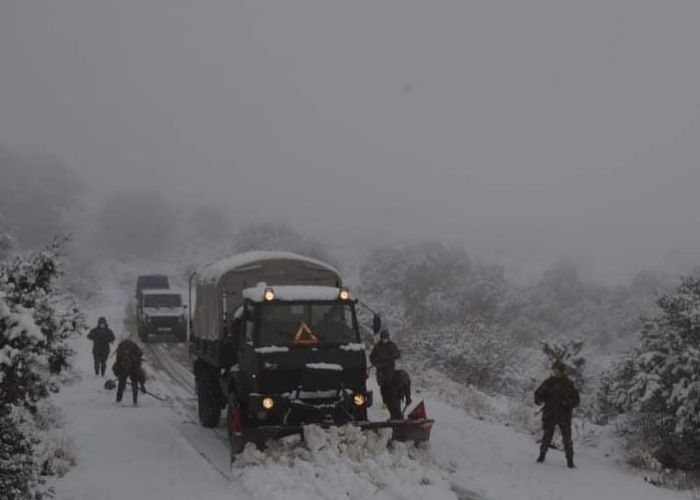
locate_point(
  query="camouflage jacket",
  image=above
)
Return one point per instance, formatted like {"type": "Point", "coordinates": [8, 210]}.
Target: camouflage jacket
{"type": "Point", "coordinates": [384, 356]}
{"type": "Point", "coordinates": [559, 397]}
{"type": "Point", "coordinates": [128, 363]}
{"type": "Point", "coordinates": [101, 338]}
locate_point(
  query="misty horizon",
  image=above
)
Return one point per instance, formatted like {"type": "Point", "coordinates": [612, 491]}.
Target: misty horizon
{"type": "Point", "coordinates": [524, 132]}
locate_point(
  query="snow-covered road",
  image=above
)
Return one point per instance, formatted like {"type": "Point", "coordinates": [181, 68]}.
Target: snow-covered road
{"type": "Point", "coordinates": [159, 451]}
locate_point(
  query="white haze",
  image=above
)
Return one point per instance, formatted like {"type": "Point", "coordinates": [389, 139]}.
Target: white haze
{"type": "Point", "coordinates": [525, 130]}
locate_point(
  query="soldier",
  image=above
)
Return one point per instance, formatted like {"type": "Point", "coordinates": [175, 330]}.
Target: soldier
{"type": "Point", "coordinates": [383, 357]}
{"type": "Point", "coordinates": [559, 397]}
{"type": "Point", "coordinates": [101, 337]}
{"type": "Point", "coordinates": [128, 366]}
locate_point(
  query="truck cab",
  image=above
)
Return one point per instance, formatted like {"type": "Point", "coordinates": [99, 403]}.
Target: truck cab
{"type": "Point", "coordinates": [299, 357]}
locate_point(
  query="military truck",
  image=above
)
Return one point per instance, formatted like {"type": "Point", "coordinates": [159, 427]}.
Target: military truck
{"type": "Point", "coordinates": [275, 342]}
{"type": "Point", "coordinates": [160, 315]}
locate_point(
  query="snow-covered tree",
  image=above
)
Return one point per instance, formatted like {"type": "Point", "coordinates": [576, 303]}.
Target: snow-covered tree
{"type": "Point", "coordinates": [8, 242]}
{"type": "Point", "coordinates": [569, 353]}
{"type": "Point", "coordinates": [35, 321]}
{"type": "Point", "coordinates": [658, 383]}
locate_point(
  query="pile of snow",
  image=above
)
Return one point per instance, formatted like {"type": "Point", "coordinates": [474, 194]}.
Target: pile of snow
{"type": "Point", "coordinates": [342, 462]}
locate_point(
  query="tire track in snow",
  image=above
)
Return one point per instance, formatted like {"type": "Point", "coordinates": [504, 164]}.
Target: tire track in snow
{"type": "Point", "coordinates": [210, 444]}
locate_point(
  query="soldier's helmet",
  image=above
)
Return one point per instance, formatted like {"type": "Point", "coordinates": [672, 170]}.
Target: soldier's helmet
{"type": "Point", "coordinates": [384, 334]}
{"type": "Point", "coordinates": [102, 321]}
{"type": "Point", "coordinates": [559, 366]}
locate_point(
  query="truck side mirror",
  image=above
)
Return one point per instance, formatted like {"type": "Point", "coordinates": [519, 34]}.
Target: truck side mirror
{"type": "Point", "coordinates": [376, 324]}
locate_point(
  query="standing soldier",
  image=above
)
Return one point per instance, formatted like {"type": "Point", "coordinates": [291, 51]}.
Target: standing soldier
{"type": "Point", "coordinates": [128, 366]}
{"type": "Point", "coordinates": [101, 337]}
{"type": "Point", "coordinates": [383, 357]}
{"type": "Point", "coordinates": [559, 397]}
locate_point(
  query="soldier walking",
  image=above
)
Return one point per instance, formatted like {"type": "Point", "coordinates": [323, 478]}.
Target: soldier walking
{"type": "Point", "coordinates": [383, 357]}
{"type": "Point", "coordinates": [559, 397]}
{"type": "Point", "coordinates": [101, 337]}
{"type": "Point", "coordinates": [128, 366]}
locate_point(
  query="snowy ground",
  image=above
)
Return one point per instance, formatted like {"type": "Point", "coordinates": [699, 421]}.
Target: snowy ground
{"type": "Point", "coordinates": [158, 451]}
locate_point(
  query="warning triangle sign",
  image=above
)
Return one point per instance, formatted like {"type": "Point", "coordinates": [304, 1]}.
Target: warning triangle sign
{"type": "Point", "coordinates": [304, 336]}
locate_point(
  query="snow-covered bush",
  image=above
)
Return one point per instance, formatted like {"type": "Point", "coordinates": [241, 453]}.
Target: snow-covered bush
{"type": "Point", "coordinates": [658, 383]}
{"type": "Point", "coordinates": [19, 476]}
{"type": "Point", "coordinates": [35, 322]}
{"type": "Point", "coordinates": [472, 353]}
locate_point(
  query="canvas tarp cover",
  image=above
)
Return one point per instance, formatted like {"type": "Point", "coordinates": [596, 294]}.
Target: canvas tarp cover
{"type": "Point", "coordinates": [209, 305]}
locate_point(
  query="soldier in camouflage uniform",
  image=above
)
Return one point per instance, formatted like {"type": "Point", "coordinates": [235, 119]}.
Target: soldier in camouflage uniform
{"type": "Point", "coordinates": [559, 397]}
{"type": "Point", "coordinates": [101, 337]}
{"type": "Point", "coordinates": [128, 366]}
{"type": "Point", "coordinates": [383, 357]}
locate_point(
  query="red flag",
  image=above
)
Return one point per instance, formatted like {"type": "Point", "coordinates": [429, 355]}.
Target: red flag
{"type": "Point", "coordinates": [418, 412]}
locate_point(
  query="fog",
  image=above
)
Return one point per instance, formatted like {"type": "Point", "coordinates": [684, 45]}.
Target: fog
{"type": "Point", "coordinates": [526, 131]}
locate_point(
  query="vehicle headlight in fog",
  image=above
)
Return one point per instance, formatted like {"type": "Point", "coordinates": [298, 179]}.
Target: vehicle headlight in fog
{"type": "Point", "coordinates": [269, 294]}
{"type": "Point", "coordinates": [268, 403]}
{"type": "Point", "coordinates": [359, 400]}
{"type": "Point", "coordinates": [344, 294]}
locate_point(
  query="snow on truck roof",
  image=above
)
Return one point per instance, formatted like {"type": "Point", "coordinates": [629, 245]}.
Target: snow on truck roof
{"type": "Point", "coordinates": [160, 291]}
{"type": "Point", "coordinates": [215, 270]}
{"type": "Point", "coordinates": [293, 292]}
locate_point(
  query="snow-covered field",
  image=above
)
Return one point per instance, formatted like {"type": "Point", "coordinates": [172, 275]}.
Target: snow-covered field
{"type": "Point", "coordinates": [158, 451]}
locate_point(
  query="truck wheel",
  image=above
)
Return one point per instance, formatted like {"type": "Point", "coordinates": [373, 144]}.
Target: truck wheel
{"type": "Point", "coordinates": [207, 399]}
{"type": "Point", "coordinates": [234, 422]}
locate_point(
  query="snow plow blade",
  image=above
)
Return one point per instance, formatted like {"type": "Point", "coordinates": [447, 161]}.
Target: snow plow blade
{"type": "Point", "coordinates": [402, 430]}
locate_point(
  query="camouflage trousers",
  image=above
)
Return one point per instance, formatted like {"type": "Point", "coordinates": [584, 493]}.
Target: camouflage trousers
{"type": "Point", "coordinates": [100, 360]}
{"type": "Point", "coordinates": [134, 379]}
{"type": "Point", "coordinates": [549, 425]}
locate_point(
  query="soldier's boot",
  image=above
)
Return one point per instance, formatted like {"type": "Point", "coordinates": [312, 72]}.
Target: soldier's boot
{"type": "Point", "coordinates": [570, 462]}
{"type": "Point", "coordinates": [540, 458]}
{"type": "Point", "coordinates": [134, 392]}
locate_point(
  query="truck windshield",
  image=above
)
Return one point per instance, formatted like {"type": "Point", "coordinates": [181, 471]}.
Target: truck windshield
{"type": "Point", "coordinates": [283, 324]}
{"type": "Point", "coordinates": [162, 300]}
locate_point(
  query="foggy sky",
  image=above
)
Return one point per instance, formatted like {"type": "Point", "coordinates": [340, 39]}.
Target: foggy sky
{"type": "Point", "coordinates": [526, 130]}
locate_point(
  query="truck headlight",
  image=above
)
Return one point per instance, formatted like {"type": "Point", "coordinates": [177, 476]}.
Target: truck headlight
{"type": "Point", "coordinates": [359, 400]}
{"type": "Point", "coordinates": [269, 294]}
{"type": "Point", "coordinates": [268, 403]}
{"type": "Point", "coordinates": [344, 294]}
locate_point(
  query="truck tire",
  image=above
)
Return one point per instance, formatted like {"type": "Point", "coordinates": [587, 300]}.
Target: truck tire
{"type": "Point", "coordinates": [208, 398]}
